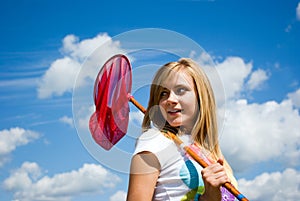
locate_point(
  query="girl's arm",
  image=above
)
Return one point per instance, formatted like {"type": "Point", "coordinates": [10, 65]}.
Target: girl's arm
{"type": "Point", "coordinates": [144, 172]}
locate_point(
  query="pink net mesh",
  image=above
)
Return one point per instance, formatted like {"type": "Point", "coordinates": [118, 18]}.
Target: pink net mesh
{"type": "Point", "coordinates": [108, 124]}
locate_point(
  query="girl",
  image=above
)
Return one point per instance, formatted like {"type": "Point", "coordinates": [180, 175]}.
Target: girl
{"type": "Point", "coordinates": [181, 97]}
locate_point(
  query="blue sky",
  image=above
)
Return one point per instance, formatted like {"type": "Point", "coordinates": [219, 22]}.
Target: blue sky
{"type": "Point", "coordinates": [255, 47]}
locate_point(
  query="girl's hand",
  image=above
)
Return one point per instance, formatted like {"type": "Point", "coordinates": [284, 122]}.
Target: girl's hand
{"type": "Point", "coordinates": [214, 176]}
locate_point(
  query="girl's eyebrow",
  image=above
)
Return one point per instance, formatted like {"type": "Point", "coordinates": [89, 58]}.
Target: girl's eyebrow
{"type": "Point", "coordinates": [183, 85]}
{"type": "Point", "coordinates": [165, 89]}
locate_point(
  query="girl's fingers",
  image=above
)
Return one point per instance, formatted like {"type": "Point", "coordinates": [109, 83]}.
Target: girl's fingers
{"type": "Point", "coordinates": [215, 174]}
{"type": "Point", "coordinates": [214, 168]}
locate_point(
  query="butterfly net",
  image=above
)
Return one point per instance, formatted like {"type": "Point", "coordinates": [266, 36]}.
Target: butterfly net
{"type": "Point", "coordinates": [108, 124]}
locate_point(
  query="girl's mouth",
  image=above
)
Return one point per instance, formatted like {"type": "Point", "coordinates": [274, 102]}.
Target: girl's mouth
{"type": "Point", "coordinates": [175, 111]}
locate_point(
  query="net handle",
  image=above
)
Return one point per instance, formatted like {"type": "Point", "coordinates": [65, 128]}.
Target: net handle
{"type": "Point", "coordinates": [136, 103]}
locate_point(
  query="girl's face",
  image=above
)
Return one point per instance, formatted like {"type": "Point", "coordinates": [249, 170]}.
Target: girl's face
{"type": "Point", "coordinates": [178, 101]}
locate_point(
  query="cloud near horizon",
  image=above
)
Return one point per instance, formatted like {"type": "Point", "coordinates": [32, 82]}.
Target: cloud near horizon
{"type": "Point", "coordinates": [118, 196]}
{"type": "Point", "coordinates": [250, 128]}
{"type": "Point", "coordinates": [12, 138]}
{"type": "Point", "coordinates": [29, 183]}
{"type": "Point", "coordinates": [275, 186]}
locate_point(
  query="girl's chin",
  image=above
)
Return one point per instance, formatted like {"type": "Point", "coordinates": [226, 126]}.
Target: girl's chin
{"type": "Point", "coordinates": [175, 124]}
{"type": "Point", "coordinates": [179, 124]}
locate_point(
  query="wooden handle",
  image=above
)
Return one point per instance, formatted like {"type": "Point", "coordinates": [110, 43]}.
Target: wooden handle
{"type": "Point", "coordinates": [137, 104]}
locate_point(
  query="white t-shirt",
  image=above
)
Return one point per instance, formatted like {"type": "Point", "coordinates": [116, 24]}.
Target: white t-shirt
{"type": "Point", "coordinates": [180, 176]}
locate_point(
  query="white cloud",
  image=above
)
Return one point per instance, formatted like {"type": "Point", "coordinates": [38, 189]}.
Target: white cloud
{"type": "Point", "coordinates": [119, 196]}
{"type": "Point", "coordinates": [289, 26]}
{"type": "Point", "coordinates": [22, 178]}
{"type": "Point", "coordinates": [85, 114]}
{"type": "Point", "coordinates": [59, 78]}
{"type": "Point", "coordinates": [276, 186]}
{"type": "Point", "coordinates": [136, 118]}
{"type": "Point", "coordinates": [12, 138]}
{"type": "Point", "coordinates": [295, 97]}
{"type": "Point", "coordinates": [257, 78]}
{"type": "Point", "coordinates": [67, 120]}
{"type": "Point", "coordinates": [79, 56]}
{"type": "Point", "coordinates": [298, 11]}
{"type": "Point", "coordinates": [233, 72]}
{"type": "Point", "coordinates": [135, 123]}
{"type": "Point", "coordinates": [203, 59]}
{"type": "Point", "coordinates": [28, 182]}
{"type": "Point", "coordinates": [238, 76]}
{"type": "Point", "coordinates": [235, 77]}
{"type": "Point", "coordinates": [255, 133]}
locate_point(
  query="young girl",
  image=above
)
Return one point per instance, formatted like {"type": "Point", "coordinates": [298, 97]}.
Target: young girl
{"type": "Point", "coordinates": [180, 97]}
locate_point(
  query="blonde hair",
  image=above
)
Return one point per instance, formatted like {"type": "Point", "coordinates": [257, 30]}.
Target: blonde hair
{"type": "Point", "coordinates": [205, 130]}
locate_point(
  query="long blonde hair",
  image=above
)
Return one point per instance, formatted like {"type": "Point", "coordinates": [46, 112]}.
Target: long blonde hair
{"type": "Point", "coordinates": [205, 130]}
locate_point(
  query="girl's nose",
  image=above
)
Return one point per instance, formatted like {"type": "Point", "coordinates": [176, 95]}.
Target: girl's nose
{"type": "Point", "coordinates": [172, 98]}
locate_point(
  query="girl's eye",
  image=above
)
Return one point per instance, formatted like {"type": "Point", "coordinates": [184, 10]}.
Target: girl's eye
{"type": "Point", "coordinates": [181, 90]}
{"type": "Point", "coordinates": [164, 94]}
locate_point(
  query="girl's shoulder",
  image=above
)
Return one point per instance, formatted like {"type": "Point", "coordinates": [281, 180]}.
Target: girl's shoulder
{"type": "Point", "coordinates": [153, 141]}
{"type": "Point", "coordinates": [164, 149]}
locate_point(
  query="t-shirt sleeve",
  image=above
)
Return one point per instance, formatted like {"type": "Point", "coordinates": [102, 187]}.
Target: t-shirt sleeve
{"type": "Point", "coordinates": [155, 142]}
